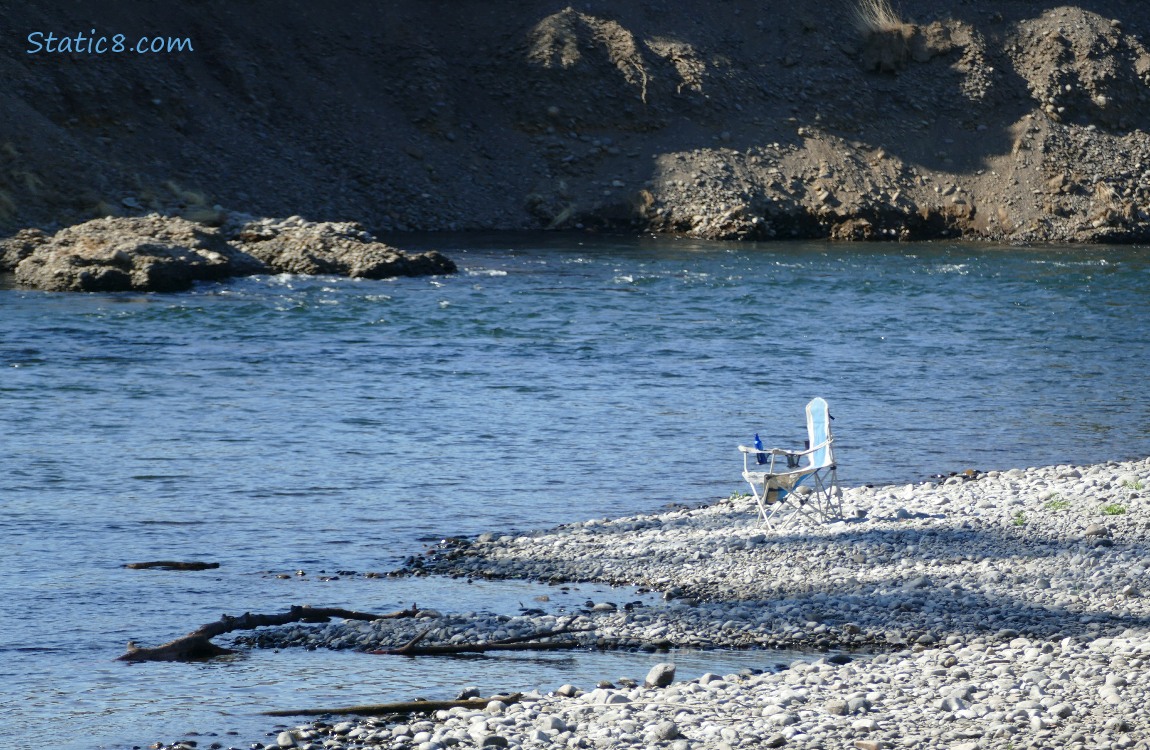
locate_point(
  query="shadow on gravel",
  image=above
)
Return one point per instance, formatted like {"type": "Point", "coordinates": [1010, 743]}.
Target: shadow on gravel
{"type": "Point", "coordinates": [931, 582]}
{"type": "Point", "coordinates": [969, 580]}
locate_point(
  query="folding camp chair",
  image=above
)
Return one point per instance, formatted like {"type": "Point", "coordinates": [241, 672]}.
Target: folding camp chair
{"type": "Point", "coordinates": [807, 484]}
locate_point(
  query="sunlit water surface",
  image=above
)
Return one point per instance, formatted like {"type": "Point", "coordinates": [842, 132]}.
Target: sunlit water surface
{"type": "Point", "coordinates": [276, 424]}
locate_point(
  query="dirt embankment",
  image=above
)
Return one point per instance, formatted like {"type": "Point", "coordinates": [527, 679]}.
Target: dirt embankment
{"type": "Point", "coordinates": [735, 119]}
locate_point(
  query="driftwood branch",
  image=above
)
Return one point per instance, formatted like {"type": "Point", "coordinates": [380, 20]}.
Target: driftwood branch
{"type": "Point", "coordinates": [407, 647]}
{"type": "Point", "coordinates": [172, 565]}
{"type": "Point", "coordinates": [198, 645]}
{"type": "Point", "coordinates": [529, 642]}
{"type": "Point", "coordinates": [406, 707]}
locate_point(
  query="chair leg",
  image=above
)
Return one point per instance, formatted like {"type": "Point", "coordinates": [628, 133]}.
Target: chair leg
{"type": "Point", "coordinates": [836, 496]}
{"type": "Point", "coordinates": [821, 496]}
{"type": "Point", "coordinates": [795, 506]}
{"type": "Point", "coordinates": [820, 506]}
{"type": "Point", "coordinates": [829, 504]}
{"type": "Point", "coordinates": [767, 516]}
{"type": "Point", "coordinates": [783, 521]}
{"type": "Point", "coordinates": [799, 509]}
{"type": "Point", "coordinates": [760, 500]}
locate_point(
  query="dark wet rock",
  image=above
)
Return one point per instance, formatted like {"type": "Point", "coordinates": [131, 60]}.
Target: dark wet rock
{"type": "Point", "coordinates": [172, 565]}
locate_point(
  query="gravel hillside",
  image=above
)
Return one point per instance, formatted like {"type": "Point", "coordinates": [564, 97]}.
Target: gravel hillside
{"type": "Point", "coordinates": [734, 119]}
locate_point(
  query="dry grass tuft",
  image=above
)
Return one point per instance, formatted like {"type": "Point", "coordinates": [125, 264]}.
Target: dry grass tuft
{"type": "Point", "coordinates": [876, 17]}
{"type": "Point", "coordinates": [886, 37]}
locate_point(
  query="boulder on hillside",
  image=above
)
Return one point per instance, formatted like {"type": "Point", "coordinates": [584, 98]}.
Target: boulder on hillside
{"type": "Point", "coordinates": [148, 253]}
{"type": "Point", "coordinates": [294, 245]}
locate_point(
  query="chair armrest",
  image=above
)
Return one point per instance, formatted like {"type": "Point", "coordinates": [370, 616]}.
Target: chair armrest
{"type": "Point", "coordinates": [766, 451]}
{"type": "Point", "coordinates": [792, 456]}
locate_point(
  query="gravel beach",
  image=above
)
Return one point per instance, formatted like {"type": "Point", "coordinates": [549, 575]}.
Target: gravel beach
{"type": "Point", "coordinates": [996, 610]}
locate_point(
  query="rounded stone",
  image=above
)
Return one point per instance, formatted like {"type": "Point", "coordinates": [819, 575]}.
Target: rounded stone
{"type": "Point", "coordinates": [660, 675]}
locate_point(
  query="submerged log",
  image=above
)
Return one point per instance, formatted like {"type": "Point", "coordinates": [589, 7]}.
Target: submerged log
{"type": "Point", "coordinates": [172, 565]}
{"type": "Point", "coordinates": [198, 645]}
{"type": "Point", "coordinates": [405, 707]}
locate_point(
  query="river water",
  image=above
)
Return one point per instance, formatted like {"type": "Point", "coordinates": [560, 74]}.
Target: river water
{"type": "Point", "coordinates": [279, 423]}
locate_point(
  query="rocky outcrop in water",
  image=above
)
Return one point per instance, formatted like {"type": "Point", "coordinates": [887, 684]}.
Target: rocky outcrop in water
{"type": "Point", "coordinates": [148, 253]}
{"type": "Point", "coordinates": [18, 247]}
{"type": "Point", "coordinates": [294, 245]}
{"type": "Point", "coordinates": [166, 254]}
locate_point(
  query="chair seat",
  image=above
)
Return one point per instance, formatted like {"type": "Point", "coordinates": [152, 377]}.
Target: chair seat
{"type": "Point", "coordinates": [761, 476]}
{"type": "Point", "coordinates": [776, 489]}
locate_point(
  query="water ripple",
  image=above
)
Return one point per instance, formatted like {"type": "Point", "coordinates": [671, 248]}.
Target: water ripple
{"type": "Point", "coordinates": [279, 423]}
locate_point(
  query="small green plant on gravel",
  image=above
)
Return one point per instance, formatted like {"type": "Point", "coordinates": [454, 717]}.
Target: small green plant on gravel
{"type": "Point", "coordinates": [1019, 519]}
{"type": "Point", "coordinates": [1133, 484]}
{"type": "Point", "coordinates": [1113, 509]}
{"type": "Point", "coordinates": [1056, 503]}
{"type": "Point", "coordinates": [735, 497]}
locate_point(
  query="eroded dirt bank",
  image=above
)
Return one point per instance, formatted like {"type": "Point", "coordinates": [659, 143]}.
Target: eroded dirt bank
{"type": "Point", "coordinates": [735, 119]}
